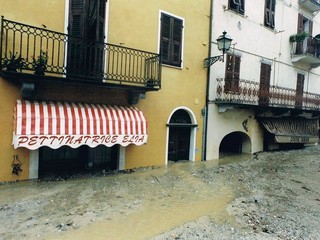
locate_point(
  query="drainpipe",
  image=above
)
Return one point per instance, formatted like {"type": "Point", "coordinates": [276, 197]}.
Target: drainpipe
{"type": "Point", "coordinates": [205, 111]}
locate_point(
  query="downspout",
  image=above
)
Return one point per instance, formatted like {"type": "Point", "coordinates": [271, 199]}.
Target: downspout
{"type": "Point", "coordinates": [205, 112]}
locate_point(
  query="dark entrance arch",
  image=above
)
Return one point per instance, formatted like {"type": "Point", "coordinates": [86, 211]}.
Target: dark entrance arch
{"type": "Point", "coordinates": [180, 126]}
{"type": "Point", "coordinates": [236, 142]}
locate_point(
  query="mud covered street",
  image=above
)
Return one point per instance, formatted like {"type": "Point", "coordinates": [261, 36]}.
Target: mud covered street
{"type": "Point", "coordinates": [274, 195]}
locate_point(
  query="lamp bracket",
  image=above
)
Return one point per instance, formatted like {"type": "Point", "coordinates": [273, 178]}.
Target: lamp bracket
{"type": "Point", "coordinates": [211, 60]}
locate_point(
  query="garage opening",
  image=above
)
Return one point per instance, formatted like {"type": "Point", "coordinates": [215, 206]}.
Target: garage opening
{"type": "Point", "coordinates": [66, 161]}
{"type": "Point", "coordinates": [234, 143]}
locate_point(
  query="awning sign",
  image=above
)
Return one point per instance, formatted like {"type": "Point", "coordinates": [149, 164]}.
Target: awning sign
{"type": "Point", "coordinates": [293, 130]}
{"type": "Point", "coordinates": [59, 124]}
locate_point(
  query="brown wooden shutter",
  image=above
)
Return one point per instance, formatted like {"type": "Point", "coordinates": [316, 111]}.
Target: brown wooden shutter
{"type": "Point", "coordinates": [310, 27]}
{"type": "Point", "coordinates": [236, 74]}
{"type": "Point", "coordinates": [232, 75]}
{"type": "Point", "coordinates": [300, 23]}
{"type": "Point", "coordinates": [299, 90]}
{"type": "Point", "coordinates": [265, 72]}
{"type": "Point", "coordinates": [229, 73]}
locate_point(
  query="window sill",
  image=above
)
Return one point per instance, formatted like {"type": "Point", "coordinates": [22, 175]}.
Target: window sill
{"type": "Point", "coordinates": [171, 66]}
{"type": "Point", "coordinates": [236, 12]}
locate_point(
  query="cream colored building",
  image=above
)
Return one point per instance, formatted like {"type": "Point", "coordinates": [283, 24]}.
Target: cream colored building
{"type": "Point", "coordinates": [104, 102]}
{"type": "Point", "coordinates": [265, 95]}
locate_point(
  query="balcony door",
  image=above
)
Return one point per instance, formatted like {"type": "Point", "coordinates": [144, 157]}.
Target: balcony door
{"type": "Point", "coordinates": [86, 30]}
{"type": "Point", "coordinates": [299, 90]}
{"type": "Point", "coordinates": [264, 91]}
{"type": "Point", "coordinates": [232, 75]}
{"type": "Point", "coordinates": [304, 25]}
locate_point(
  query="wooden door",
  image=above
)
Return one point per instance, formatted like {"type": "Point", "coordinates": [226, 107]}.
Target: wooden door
{"type": "Point", "coordinates": [264, 88]}
{"type": "Point", "coordinates": [179, 143]}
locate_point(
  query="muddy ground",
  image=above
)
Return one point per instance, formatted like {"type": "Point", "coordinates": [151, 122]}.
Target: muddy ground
{"type": "Point", "coordinates": [272, 195]}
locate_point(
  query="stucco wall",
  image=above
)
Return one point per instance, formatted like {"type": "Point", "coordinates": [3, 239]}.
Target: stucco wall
{"type": "Point", "coordinates": [51, 14]}
{"type": "Point", "coordinates": [229, 121]}
{"type": "Point", "coordinates": [255, 43]}
{"type": "Point", "coordinates": [8, 95]}
{"type": "Point", "coordinates": [180, 87]}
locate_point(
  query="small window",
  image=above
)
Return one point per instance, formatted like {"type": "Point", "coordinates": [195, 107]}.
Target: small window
{"type": "Point", "coordinates": [171, 40]}
{"type": "Point", "coordinates": [232, 76]}
{"type": "Point", "coordinates": [269, 13]}
{"type": "Point", "coordinates": [237, 6]}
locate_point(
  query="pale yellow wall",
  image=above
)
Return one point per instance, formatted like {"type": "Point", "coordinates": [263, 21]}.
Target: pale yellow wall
{"type": "Point", "coordinates": [50, 13]}
{"type": "Point", "coordinates": [133, 24]}
{"type": "Point", "coordinates": [35, 12]}
{"type": "Point", "coordinates": [138, 27]}
{"type": "Point", "coordinates": [8, 95]}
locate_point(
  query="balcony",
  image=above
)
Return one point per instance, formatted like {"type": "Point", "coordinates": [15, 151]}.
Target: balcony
{"type": "Point", "coordinates": [253, 94]}
{"type": "Point", "coordinates": [306, 52]}
{"type": "Point", "coordinates": [72, 60]}
{"type": "Point", "coordinates": [310, 5]}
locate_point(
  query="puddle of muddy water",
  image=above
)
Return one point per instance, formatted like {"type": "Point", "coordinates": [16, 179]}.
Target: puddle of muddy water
{"type": "Point", "coordinates": [171, 197]}
{"type": "Point", "coordinates": [139, 205]}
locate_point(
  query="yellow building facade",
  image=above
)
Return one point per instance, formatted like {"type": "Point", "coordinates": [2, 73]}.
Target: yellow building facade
{"type": "Point", "coordinates": [172, 107]}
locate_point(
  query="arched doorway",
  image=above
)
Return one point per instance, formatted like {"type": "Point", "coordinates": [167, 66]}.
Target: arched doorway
{"type": "Point", "coordinates": [235, 142]}
{"type": "Point", "coordinates": [181, 136]}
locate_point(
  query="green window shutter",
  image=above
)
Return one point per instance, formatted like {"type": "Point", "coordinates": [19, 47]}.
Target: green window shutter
{"type": "Point", "coordinates": [177, 42]}
{"type": "Point", "coordinates": [171, 40]}
{"type": "Point", "coordinates": [165, 38]}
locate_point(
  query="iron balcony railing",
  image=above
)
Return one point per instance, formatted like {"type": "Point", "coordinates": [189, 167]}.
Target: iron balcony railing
{"type": "Point", "coordinates": [74, 58]}
{"type": "Point", "coordinates": [253, 93]}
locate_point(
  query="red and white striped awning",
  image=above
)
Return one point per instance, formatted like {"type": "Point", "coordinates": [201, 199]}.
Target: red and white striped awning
{"type": "Point", "coordinates": [56, 124]}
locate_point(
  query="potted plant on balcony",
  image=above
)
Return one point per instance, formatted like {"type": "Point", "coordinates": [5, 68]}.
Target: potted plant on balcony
{"type": "Point", "coordinates": [299, 37]}
{"type": "Point", "coordinates": [14, 62]}
{"type": "Point", "coordinates": [39, 64]}
{"type": "Point", "coordinates": [296, 41]}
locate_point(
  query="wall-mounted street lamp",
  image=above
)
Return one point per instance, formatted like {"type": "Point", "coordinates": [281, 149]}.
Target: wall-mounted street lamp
{"type": "Point", "coordinates": [224, 43]}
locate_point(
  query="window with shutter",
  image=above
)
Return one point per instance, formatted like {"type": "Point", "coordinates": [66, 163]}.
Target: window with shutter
{"type": "Point", "coordinates": [86, 35]}
{"type": "Point", "coordinates": [265, 71]}
{"type": "Point", "coordinates": [237, 6]}
{"type": "Point", "coordinates": [304, 25]}
{"type": "Point", "coordinates": [269, 13]}
{"type": "Point", "coordinates": [232, 76]}
{"type": "Point", "coordinates": [171, 40]}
